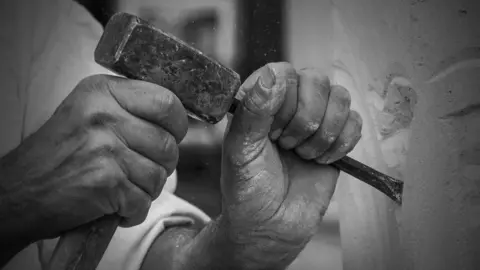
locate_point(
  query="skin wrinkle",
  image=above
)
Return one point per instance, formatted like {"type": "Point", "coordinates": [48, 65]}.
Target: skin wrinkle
{"type": "Point", "coordinates": [254, 150]}
{"type": "Point", "coordinates": [242, 173]}
{"type": "Point", "coordinates": [286, 190]}
{"type": "Point", "coordinates": [280, 208]}
{"type": "Point", "coordinates": [328, 133]}
{"type": "Point", "coordinates": [263, 100]}
{"type": "Point", "coordinates": [309, 125]}
{"type": "Point", "coordinates": [286, 114]}
{"type": "Point", "coordinates": [306, 120]}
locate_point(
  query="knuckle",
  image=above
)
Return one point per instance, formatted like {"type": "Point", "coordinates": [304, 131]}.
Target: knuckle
{"type": "Point", "coordinates": [316, 77]}
{"type": "Point", "coordinates": [310, 126]}
{"type": "Point", "coordinates": [328, 137]}
{"type": "Point", "coordinates": [309, 121]}
{"type": "Point", "coordinates": [302, 126]}
{"type": "Point", "coordinates": [108, 174]}
{"type": "Point", "coordinates": [97, 83]}
{"type": "Point", "coordinates": [103, 144]}
{"type": "Point", "coordinates": [307, 152]}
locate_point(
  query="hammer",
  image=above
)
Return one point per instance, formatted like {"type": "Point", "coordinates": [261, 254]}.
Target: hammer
{"type": "Point", "coordinates": [137, 50]}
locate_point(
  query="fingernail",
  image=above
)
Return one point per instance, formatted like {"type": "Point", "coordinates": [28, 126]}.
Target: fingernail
{"type": "Point", "coordinates": [267, 77]}
{"type": "Point", "coordinates": [276, 134]}
{"type": "Point", "coordinates": [288, 142]}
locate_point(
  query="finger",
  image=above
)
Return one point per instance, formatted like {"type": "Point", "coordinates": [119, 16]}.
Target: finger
{"type": "Point", "coordinates": [289, 106]}
{"type": "Point", "coordinates": [148, 101]}
{"type": "Point", "coordinates": [150, 141]}
{"type": "Point", "coordinates": [134, 204]}
{"type": "Point", "coordinates": [315, 182]}
{"type": "Point", "coordinates": [144, 173]}
{"type": "Point", "coordinates": [313, 94]}
{"type": "Point", "coordinates": [124, 198]}
{"type": "Point", "coordinates": [336, 116]}
{"type": "Point", "coordinates": [349, 137]}
{"type": "Point", "coordinates": [251, 122]}
{"type": "Point", "coordinates": [288, 74]}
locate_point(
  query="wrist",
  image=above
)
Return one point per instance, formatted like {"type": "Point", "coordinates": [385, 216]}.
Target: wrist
{"type": "Point", "coordinates": [221, 245]}
{"type": "Point", "coordinates": [209, 249]}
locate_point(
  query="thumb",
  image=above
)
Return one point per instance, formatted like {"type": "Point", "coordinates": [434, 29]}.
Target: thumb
{"type": "Point", "coordinates": [262, 95]}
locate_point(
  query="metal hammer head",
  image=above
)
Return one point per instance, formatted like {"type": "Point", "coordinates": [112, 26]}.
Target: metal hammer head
{"type": "Point", "coordinates": [137, 50]}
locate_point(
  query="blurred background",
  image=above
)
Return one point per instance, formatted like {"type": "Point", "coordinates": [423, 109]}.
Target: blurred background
{"type": "Point", "coordinates": [243, 35]}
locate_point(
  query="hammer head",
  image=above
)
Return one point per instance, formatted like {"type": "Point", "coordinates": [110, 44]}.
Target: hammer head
{"type": "Point", "coordinates": [137, 50]}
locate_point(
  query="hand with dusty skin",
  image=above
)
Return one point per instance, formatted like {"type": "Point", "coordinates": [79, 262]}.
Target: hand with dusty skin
{"type": "Point", "coordinates": [276, 185]}
{"type": "Point", "coordinates": [275, 182]}
{"type": "Point", "coordinates": [107, 149]}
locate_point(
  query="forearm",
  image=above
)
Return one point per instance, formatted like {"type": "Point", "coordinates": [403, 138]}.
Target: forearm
{"type": "Point", "coordinates": [212, 248]}
{"type": "Point", "coordinates": [14, 215]}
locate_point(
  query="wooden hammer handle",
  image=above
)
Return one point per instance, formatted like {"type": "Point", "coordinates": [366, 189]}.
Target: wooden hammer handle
{"type": "Point", "coordinates": [83, 247]}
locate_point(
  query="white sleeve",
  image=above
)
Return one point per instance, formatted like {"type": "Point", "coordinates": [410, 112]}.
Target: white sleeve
{"type": "Point", "coordinates": [130, 245]}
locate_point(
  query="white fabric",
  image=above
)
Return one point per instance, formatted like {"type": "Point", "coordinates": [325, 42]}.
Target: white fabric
{"type": "Point", "coordinates": [46, 49]}
{"type": "Point", "coordinates": [129, 245]}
